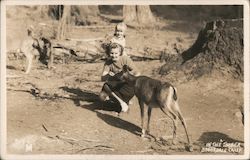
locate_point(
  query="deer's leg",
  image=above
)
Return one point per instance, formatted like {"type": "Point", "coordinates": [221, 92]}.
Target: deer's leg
{"type": "Point", "coordinates": [29, 59]}
{"type": "Point", "coordinates": [141, 103]}
{"type": "Point", "coordinates": [173, 117]}
{"type": "Point", "coordinates": [179, 114]}
{"type": "Point", "coordinates": [175, 123]}
{"type": "Point", "coordinates": [17, 54]}
{"type": "Point", "coordinates": [167, 109]}
{"type": "Point", "coordinates": [51, 57]}
{"type": "Point", "coordinates": [149, 116]}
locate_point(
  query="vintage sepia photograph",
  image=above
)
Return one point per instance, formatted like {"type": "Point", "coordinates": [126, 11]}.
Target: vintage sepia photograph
{"type": "Point", "coordinates": [124, 80]}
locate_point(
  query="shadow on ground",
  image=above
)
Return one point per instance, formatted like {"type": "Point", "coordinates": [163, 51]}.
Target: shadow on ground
{"type": "Point", "coordinates": [96, 106]}
{"type": "Point", "coordinates": [207, 137]}
{"type": "Point", "coordinates": [119, 123]}
{"type": "Point", "coordinates": [80, 95]}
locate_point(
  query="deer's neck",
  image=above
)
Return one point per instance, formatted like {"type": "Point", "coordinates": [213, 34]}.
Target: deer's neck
{"type": "Point", "coordinates": [132, 79]}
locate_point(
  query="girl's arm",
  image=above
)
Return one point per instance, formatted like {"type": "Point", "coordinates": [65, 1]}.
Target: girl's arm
{"type": "Point", "coordinates": [134, 69]}
{"type": "Point", "coordinates": [106, 73]}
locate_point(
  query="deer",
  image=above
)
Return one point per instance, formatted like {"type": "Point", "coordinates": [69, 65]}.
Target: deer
{"type": "Point", "coordinates": [155, 94]}
{"type": "Point", "coordinates": [32, 47]}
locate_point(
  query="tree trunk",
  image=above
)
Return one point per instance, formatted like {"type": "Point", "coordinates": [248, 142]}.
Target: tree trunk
{"type": "Point", "coordinates": [85, 14]}
{"type": "Point", "coordinates": [144, 15]}
{"type": "Point", "coordinates": [63, 24]}
{"type": "Point", "coordinates": [129, 14]}
{"type": "Point", "coordinates": [138, 14]}
{"type": "Point", "coordinates": [88, 10]}
{"type": "Point", "coordinates": [44, 11]}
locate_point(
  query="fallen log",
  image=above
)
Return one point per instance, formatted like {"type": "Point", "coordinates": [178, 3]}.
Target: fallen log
{"type": "Point", "coordinates": [92, 27]}
{"type": "Point", "coordinates": [82, 49]}
{"type": "Point", "coordinates": [144, 55]}
{"type": "Point", "coordinates": [93, 52]}
{"type": "Point", "coordinates": [143, 58]}
{"type": "Point", "coordinates": [85, 40]}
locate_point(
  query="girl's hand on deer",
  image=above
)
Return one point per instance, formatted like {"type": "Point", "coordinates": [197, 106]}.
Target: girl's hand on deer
{"type": "Point", "coordinates": [111, 74]}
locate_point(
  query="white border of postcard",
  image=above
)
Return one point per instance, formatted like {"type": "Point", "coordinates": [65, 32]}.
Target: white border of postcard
{"type": "Point", "coordinates": [245, 3]}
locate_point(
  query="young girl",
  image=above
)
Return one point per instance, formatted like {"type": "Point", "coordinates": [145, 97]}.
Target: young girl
{"type": "Point", "coordinates": [113, 88]}
{"type": "Point", "coordinates": [119, 36]}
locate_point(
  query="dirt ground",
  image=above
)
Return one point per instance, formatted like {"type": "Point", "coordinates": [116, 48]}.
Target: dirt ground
{"type": "Point", "coordinates": [57, 111]}
{"type": "Point", "coordinates": [68, 108]}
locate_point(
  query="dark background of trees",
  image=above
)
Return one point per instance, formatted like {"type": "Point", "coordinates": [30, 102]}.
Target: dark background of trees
{"type": "Point", "coordinates": [198, 12]}
{"type": "Point", "coordinates": [185, 12]}
{"type": "Point", "coordinates": [172, 12]}
{"type": "Point", "coordinates": [138, 15]}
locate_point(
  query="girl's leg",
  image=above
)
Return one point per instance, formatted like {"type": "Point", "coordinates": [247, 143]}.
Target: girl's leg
{"type": "Point", "coordinates": [114, 93]}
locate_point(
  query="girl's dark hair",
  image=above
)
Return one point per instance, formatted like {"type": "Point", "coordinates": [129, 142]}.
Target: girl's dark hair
{"type": "Point", "coordinates": [115, 45]}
